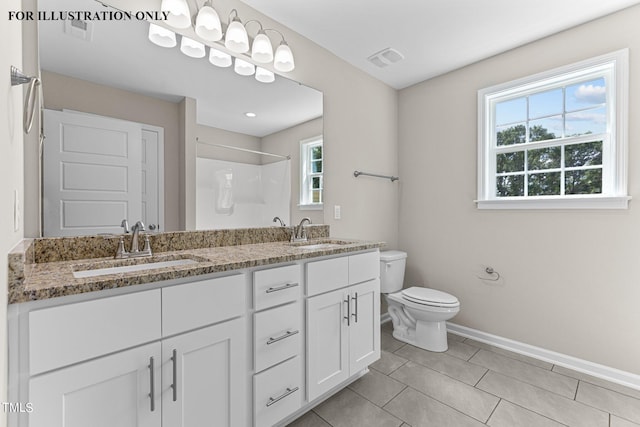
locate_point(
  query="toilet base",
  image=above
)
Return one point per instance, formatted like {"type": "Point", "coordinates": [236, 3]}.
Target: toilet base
{"type": "Point", "coordinates": [431, 336]}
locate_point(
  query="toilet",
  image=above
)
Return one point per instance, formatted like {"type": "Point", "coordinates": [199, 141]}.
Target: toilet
{"type": "Point", "coordinates": [418, 314]}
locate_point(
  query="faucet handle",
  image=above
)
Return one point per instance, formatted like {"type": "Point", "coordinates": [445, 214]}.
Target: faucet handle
{"type": "Point", "coordinates": [121, 252]}
{"type": "Point", "coordinates": [147, 245]}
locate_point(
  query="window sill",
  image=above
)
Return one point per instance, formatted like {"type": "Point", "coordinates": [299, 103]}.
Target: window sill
{"type": "Point", "coordinates": [598, 202]}
{"type": "Point", "coordinates": [314, 207]}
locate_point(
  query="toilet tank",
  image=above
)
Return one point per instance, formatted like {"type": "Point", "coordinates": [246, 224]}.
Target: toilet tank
{"type": "Point", "coordinates": [392, 265]}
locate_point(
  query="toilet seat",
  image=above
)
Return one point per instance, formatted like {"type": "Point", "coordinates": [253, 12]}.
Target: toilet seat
{"type": "Point", "coordinates": [430, 297]}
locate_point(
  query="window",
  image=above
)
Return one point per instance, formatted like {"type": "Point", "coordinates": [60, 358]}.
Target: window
{"type": "Point", "coordinates": [556, 139]}
{"type": "Point", "coordinates": [311, 167]}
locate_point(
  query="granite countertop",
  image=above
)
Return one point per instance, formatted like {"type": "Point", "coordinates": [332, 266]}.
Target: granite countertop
{"type": "Point", "coordinates": [43, 280]}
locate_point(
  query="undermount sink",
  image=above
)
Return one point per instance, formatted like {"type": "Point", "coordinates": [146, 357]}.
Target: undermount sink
{"type": "Point", "coordinates": [104, 268]}
{"type": "Point", "coordinates": [322, 244]}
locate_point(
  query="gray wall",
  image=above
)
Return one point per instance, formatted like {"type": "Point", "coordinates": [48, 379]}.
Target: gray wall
{"type": "Point", "coordinates": [571, 281]}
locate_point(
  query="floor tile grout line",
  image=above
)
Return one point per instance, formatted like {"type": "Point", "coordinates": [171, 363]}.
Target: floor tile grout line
{"type": "Point", "coordinates": [535, 412]}
{"type": "Point", "coordinates": [511, 357]}
{"type": "Point", "coordinates": [320, 416]}
{"type": "Point", "coordinates": [483, 375]}
{"type": "Point", "coordinates": [494, 409]}
{"type": "Point", "coordinates": [440, 372]}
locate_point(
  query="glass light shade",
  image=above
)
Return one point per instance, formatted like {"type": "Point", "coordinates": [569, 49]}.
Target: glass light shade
{"type": "Point", "coordinates": [236, 39]}
{"type": "Point", "coordinates": [208, 24]}
{"type": "Point", "coordinates": [161, 36]}
{"type": "Point", "coordinates": [283, 60]}
{"type": "Point", "coordinates": [219, 58]}
{"type": "Point", "coordinates": [179, 15]}
{"type": "Point", "coordinates": [261, 50]}
{"type": "Point", "coordinates": [243, 67]}
{"type": "Point", "coordinates": [264, 76]}
{"type": "Point", "coordinates": [192, 48]}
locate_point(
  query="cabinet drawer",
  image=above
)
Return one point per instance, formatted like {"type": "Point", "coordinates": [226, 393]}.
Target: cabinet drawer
{"type": "Point", "coordinates": [277, 393]}
{"type": "Point", "coordinates": [276, 286]}
{"type": "Point", "coordinates": [196, 304]}
{"type": "Point", "coordinates": [67, 334]}
{"type": "Point", "coordinates": [327, 275]}
{"type": "Point", "coordinates": [363, 267]}
{"type": "Point", "coordinates": [277, 335]}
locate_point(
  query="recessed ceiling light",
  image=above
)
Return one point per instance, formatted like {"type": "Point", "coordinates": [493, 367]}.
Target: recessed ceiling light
{"type": "Point", "coordinates": [249, 114]}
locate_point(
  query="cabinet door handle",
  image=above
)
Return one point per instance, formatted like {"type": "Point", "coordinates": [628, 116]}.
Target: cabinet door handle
{"type": "Point", "coordinates": [348, 316]}
{"type": "Point", "coordinates": [152, 384]}
{"type": "Point", "coordinates": [281, 337]}
{"type": "Point", "coordinates": [281, 288]}
{"type": "Point", "coordinates": [174, 386]}
{"type": "Point", "coordinates": [289, 391]}
{"type": "Point", "coordinates": [355, 307]}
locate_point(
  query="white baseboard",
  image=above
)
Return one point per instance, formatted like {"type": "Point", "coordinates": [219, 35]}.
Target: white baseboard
{"type": "Point", "coordinates": [607, 373]}
{"type": "Point", "coordinates": [600, 371]}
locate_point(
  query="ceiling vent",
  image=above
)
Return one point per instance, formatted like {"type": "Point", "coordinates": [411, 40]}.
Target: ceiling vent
{"type": "Point", "coordinates": [79, 29]}
{"type": "Point", "coordinates": [385, 57]}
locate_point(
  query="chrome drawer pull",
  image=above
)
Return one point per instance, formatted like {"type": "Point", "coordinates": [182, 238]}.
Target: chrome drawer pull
{"type": "Point", "coordinates": [348, 316]}
{"type": "Point", "coordinates": [282, 396]}
{"type": "Point", "coordinates": [174, 386]}
{"type": "Point", "coordinates": [282, 288]}
{"type": "Point", "coordinates": [152, 385]}
{"type": "Point", "coordinates": [355, 307]}
{"type": "Point", "coordinates": [281, 337]}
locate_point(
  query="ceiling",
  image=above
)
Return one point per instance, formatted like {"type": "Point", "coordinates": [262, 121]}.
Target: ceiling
{"type": "Point", "coordinates": [120, 55]}
{"type": "Point", "coordinates": [435, 36]}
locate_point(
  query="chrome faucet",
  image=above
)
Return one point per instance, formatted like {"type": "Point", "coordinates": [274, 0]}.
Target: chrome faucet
{"type": "Point", "coordinates": [125, 224]}
{"type": "Point", "coordinates": [135, 249]}
{"type": "Point", "coordinates": [299, 233]}
{"type": "Point", "coordinates": [277, 218]}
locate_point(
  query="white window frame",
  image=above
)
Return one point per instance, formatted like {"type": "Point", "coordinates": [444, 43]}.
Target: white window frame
{"type": "Point", "coordinates": [615, 152]}
{"type": "Point", "coordinates": [306, 174]}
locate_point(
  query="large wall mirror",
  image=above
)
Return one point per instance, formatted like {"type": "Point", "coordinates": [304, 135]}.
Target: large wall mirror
{"type": "Point", "coordinates": [118, 112]}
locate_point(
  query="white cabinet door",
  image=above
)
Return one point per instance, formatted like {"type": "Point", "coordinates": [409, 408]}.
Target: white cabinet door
{"type": "Point", "coordinates": [204, 385]}
{"type": "Point", "coordinates": [110, 391]}
{"type": "Point", "coordinates": [364, 332]}
{"type": "Point", "coordinates": [327, 342]}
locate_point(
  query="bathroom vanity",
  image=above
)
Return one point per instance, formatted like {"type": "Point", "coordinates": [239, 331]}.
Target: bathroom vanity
{"type": "Point", "coordinates": [246, 335]}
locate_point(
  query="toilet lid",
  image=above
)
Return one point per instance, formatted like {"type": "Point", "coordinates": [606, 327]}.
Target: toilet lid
{"type": "Point", "coordinates": [430, 297]}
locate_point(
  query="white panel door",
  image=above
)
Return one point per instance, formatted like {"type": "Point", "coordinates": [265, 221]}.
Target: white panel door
{"type": "Point", "coordinates": [205, 385]}
{"type": "Point", "coordinates": [327, 342]}
{"type": "Point", "coordinates": [91, 173]}
{"type": "Point", "coordinates": [364, 332]}
{"type": "Point", "coordinates": [106, 392]}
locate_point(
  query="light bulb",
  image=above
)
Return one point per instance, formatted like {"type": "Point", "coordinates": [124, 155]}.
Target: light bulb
{"type": "Point", "coordinates": [236, 39]}
{"type": "Point", "coordinates": [179, 15]}
{"type": "Point", "coordinates": [219, 58]}
{"type": "Point", "coordinates": [244, 68]}
{"type": "Point", "coordinates": [261, 50]}
{"type": "Point", "coordinates": [192, 48]}
{"type": "Point", "coordinates": [161, 36]}
{"type": "Point", "coordinates": [264, 76]}
{"type": "Point", "coordinates": [208, 24]}
{"type": "Point", "coordinates": [283, 60]}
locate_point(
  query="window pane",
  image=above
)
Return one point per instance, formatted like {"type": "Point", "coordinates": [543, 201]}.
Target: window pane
{"type": "Point", "coordinates": [512, 185]}
{"type": "Point", "coordinates": [544, 184]}
{"type": "Point", "coordinates": [316, 152]}
{"type": "Point", "coordinates": [509, 135]}
{"type": "Point", "coordinates": [543, 129]}
{"type": "Point", "coordinates": [586, 122]}
{"type": "Point", "coordinates": [316, 196]}
{"type": "Point", "coordinates": [545, 103]}
{"type": "Point", "coordinates": [586, 94]}
{"type": "Point", "coordinates": [316, 182]}
{"type": "Point", "coordinates": [543, 158]}
{"type": "Point", "coordinates": [583, 154]}
{"type": "Point", "coordinates": [316, 166]}
{"type": "Point", "coordinates": [514, 110]}
{"type": "Point", "coordinates": [583, 182]}
{"type": "Point", "coordinates": [510, 162]}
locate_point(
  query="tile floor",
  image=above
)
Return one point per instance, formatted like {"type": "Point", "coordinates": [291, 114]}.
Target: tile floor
{"type": "Point", "coordinates": [472, 384]}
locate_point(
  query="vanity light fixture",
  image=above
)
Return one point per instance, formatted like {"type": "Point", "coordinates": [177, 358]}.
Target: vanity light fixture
{"type": "Point", "coordinates": [161, 36]}
{"type": "Point", "coordinates": [243, 67]}
{"type": "Point", "coordinates": [250, 114]}
{"type": "Point", "coordinates": [208, 23]}
{"type": "Point", "coordinates": [192, 48]}
{"type": "Point", "coordinates": [179, 14]}
{"type": "Point", "coordinates": [235, 39]}
{"type": "Point", "coordinates": [219, 58]}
